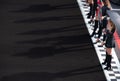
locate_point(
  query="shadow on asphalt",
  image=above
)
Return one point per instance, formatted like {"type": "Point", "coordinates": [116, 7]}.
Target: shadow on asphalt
{"type": "Point", "coordinates": [54, 30]}
{"type": "Point", "coordinates": [45, 19]}
{"type": "Point", "coordinates": [46, 76]}
{"type": "Point", "coordinates": [46, 7]}
{"type": "Point", "coordinates": [67, 36]}
{"type": "Point", "coordinates": [56, 45]}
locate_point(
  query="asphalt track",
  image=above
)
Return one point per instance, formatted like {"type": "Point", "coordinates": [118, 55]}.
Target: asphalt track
{"type": "Point", "coordinates": [46, 40]}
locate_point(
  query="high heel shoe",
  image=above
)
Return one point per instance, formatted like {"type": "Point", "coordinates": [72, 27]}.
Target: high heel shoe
{"type": "Point", "coordinates": [91, 21]}
{"type": "Point", "coordinates": [88, 17]}
{"type": "Point", "coordinates": [107, 68]}
{"type": "Point", "coordinates": [103, 63]}
{"type": "Point", "coordinates": [88, 14]}
{"type": "Point", "coordinates": [108, 60]}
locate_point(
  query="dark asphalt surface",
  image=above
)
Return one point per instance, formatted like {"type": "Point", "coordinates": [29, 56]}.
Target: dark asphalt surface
{"type": "Point", "coordinates": [45, 40]}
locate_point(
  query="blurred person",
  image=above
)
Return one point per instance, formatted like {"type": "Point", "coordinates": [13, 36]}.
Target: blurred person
{"type": "Point", "coordinates": [109, 44]}
{"type": "Point", "coordinates": [97, 17]}
{"type": "Point", "coordinates": [103, 22]}
{"type": "Point", "coordinates": [95, 4]}
{"type": "Point", "coordinates": [90, 2]}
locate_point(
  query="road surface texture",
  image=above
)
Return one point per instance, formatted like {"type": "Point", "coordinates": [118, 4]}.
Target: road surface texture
{"type": "Point", "coordinates": [46, 40]}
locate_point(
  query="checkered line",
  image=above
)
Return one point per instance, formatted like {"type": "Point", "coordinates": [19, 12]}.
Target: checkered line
{"type": "Point", "coordinates": [114, 74]}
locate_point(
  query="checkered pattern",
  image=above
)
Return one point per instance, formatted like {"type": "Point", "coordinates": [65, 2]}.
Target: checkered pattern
{"type": "Point", "coordinates": [114, 74]}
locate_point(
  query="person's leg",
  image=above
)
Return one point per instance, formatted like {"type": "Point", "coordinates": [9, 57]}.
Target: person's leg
{"type": "Point", "coordinates": [94, 9]}
{"type": "Point", "coordinates": [90, 12]}
{"type": "Point", "coordinates": [109, 62]}
{"type": "Point", "coordinates": [103, 41]}
{"type": "Point", "coordinates": [109, 50]}
{"type": "Point", "coordinates": [108, 67]}
{"type": "Point", "coordinates": [99, 32]}
{"type": "Point", "coordinates": [95, 28]}
{"type": "Point", "coordinates": [104, 26]}
{"type": "Point", "coordinates": [106, 59]}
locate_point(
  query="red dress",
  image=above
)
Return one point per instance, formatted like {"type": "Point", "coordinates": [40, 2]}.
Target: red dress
{"type": "Point", "coordinates": [98, 10]}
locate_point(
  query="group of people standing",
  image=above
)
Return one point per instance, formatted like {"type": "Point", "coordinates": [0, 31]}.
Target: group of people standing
{"type": "Point", "coordinates": [102, 25]}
